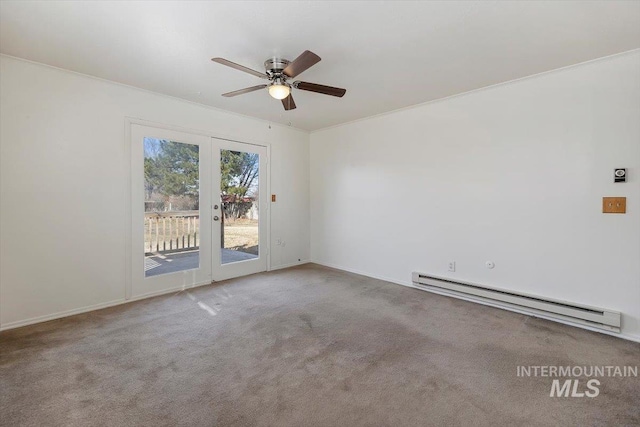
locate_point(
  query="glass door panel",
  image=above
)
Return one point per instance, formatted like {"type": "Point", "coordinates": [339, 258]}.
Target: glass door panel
{"type": "Point", "coordinates": [171, 206]}
{"type": "Point", "coordinates": [240, 229]}
{"type": "Point", "coordinates": [171, 209]}
{"type": "Point", "coordinates": [240, 196]}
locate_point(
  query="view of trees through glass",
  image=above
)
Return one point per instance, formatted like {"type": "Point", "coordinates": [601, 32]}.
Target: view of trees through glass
{"type": "Point", "coordinates": [171, 175]}
{"type": "Point", "coordinates": [171, 207]}
{"type": "Point", "coordinates": [239, 193]}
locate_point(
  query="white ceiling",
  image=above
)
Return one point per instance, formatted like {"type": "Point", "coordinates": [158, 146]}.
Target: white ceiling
{"type": "Point", "coordinates": [388, 55]}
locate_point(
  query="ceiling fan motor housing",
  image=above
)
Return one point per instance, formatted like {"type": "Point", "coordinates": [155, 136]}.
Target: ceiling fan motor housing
{"type": "Point", "coordinates": [274, 66]}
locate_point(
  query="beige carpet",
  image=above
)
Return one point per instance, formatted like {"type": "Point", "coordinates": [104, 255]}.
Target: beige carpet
{"type": "Point", "coordinates": [307, 346]}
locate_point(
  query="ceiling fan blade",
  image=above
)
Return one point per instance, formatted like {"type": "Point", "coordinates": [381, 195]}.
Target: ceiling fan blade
{"type": "Point", "coordinates": [325, 90]}
{"type": "Point", "coordinates": [288, 103]}
{"type": "Point", "coordinates": [242, 91]}
{"type": "Point", "coordinates": [239, 67]}
{"type": "Point", "coordinates": [306, 60]}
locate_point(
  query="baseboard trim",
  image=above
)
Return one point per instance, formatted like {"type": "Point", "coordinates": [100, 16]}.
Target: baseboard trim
{"type": "Point", "coordinates": [362, 273]}
{"type": "Point", "coordinates": [292, 264]}
{"type": "Point", "coordinates": [60, 314]}
{"type": "Point", "coordinates": [86, 309]}
{"type": "Point", "coordinates": [167, 291]}
{"type": "Point", "coordinates": [409, 284]}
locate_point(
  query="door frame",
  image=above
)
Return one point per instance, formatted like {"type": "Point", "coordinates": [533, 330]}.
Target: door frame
{"type": "Point", "coordinates": [128, 205]}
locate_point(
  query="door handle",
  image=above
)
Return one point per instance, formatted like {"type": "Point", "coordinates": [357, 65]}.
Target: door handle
{"type": "Point", "coordinates": [216, 218]}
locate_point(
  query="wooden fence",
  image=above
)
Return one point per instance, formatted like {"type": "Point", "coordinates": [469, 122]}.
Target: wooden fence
{"type": "Point", "coordinates": [171, 231]}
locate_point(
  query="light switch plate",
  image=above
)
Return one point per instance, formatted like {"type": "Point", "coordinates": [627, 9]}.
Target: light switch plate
{"type": "Point", "coordinates": [614, 205]}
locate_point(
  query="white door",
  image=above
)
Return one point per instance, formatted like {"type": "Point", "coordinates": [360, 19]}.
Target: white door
{"type": "Point", "coordinates": [171, 210]}
{"type": "Point", "coordinates": [199, 210]}
{"type": "Point", "coordinates": [240, 216]}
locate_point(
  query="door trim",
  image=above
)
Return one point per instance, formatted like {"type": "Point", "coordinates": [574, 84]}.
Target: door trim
{"type": "Point", "coordinates": [128, 174]}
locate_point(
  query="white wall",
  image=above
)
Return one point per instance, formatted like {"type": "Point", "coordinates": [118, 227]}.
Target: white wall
{"type": "Point", "coordinates": [63, 170]}
{"type": "Point", "coordinates": [513, 174]}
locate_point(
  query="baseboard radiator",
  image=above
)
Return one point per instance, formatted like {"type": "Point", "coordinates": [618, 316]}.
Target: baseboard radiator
{"type": "Point", "coordinates": [534, 305]}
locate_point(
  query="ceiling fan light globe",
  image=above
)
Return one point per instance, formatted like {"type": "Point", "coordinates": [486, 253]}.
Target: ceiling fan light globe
{"type": "Point", "coordinates": [278, 91]}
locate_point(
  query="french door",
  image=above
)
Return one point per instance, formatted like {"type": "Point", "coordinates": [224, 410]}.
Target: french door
{"type": "Point", "coordinates": [240, 209]}
{"type": "Point", "coordinates": [199, 209]}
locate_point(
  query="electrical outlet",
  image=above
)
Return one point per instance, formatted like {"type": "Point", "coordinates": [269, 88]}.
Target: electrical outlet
{"type": "Point", "coordinates": [452, 266]}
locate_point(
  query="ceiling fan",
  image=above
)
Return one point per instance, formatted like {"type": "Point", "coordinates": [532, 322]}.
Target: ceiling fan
{"type": "Point", "coordinates": [278, 71]}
